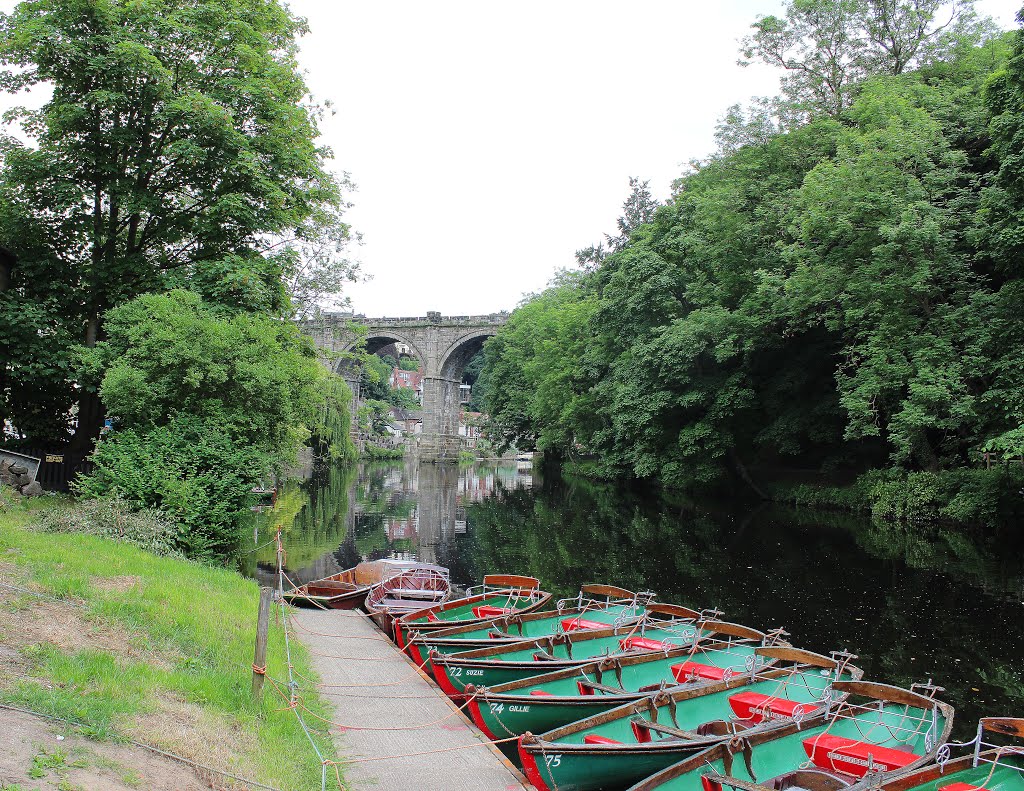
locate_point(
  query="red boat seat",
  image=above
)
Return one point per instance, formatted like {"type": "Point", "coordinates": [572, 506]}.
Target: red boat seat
{"type": "Point", "coordinates": [754, 707]}
{"type": "Point", "coordinates": [490, 611]}
{"type": "Point", "coordinates": [688, 671]}
{"type": "Point", "coordinates": [572, 624]}
{"type": "Point", "coordinates": [593, 738]}
{"type": "Point", "coordinates": [853, 757]}
{"type": "Point", "coordinates": [431, 616]}
{"type": "Point", "coordinates": [645, 644]}
{"type": "Point", "coordinates": [640, 730]}
{"type": "Point", "coordinates": [540, 693]}
{"type": "Point", "coordinates": [961, 787]}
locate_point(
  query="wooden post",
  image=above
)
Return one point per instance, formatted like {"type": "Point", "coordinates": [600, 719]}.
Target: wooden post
{"type": "Point", "coordinates": [259, 663]}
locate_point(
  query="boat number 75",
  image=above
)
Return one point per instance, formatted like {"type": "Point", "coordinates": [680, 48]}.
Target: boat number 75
{"type": "Point", "coordinates": [551, 761]}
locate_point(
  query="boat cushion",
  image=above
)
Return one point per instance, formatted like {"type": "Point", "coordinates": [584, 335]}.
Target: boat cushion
{"type": "Point", "coordinates": [687, 671]}
{"type": "Point", "coordinates": [540, 693]}
{"type": "Point", "coordinates": [754, 707]}
{"type": "Point", "coordinates": [572, 624]}
{"type": "Point", "coordinates": [853, 757]}
{"type": "Point", "coordinates": [593, 738]}
{"type": "Point", "coordinates": [961, 787]}
{"type": "Point", "coordinates": [490, 611]}
{"type": "Point", "coordinates": [644, 644]}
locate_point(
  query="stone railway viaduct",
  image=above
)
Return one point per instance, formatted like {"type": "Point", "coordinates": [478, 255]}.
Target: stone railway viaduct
{"type": "Point", "coordinates": [444, 346]}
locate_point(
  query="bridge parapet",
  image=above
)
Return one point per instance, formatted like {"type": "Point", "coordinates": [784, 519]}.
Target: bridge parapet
{"type": "Point", "coordinates": [430, 320]}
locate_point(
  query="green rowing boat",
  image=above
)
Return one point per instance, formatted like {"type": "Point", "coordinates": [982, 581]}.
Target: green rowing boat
{"type": "Point", "coordinates": [500, 594]}
{"type": "Point", "coordinates": [877, 734]}
{"type": "Point", "coordinates": [630, 742]}
{"type": "Point", "coordinates": [596, 607]}
{"type": "Point", "coordinates": [705, 677]}
{"type": "Point", "coordinates": [664, 628]}
{"type": "Point", "coordinates": [990, 767]}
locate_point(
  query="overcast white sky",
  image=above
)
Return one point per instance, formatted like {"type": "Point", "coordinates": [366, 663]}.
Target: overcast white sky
{"type": "Point", "coordinates": [490, 141]}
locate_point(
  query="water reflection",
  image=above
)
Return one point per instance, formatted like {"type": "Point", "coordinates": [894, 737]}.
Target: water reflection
{"type": "Point", "coordinates": [914, 602]}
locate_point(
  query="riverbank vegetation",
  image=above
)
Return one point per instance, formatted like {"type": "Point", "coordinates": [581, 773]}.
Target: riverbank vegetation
{"type": "Point", "coordinates": [162, 215]}
{"type": "Point", "coordinates": [108, 635]}
{"type": "Point", "coordinates": [835, 292]}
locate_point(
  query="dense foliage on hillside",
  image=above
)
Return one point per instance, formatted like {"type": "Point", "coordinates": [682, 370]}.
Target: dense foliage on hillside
{"type": "Point", "coordinates": [842, 291]}
{"type": "Point", "coordinates": [162, 215]}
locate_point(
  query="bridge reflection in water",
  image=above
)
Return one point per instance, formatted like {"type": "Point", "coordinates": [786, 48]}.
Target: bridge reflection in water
{"type": "Point", "coordinates": [341, 516]}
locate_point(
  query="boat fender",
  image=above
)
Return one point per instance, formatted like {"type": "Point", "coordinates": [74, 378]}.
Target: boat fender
{"type": "Point", "coordinates": [837, 753]}
{"type": "Point", "coordinates": [691, 671]}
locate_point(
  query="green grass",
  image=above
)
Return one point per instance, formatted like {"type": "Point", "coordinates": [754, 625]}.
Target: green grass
{"type": "Point", "coordinates": [191, 629]}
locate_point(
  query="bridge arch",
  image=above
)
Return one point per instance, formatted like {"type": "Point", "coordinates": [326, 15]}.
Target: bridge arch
{"type": "Point", "coordinates": [457, 356]}
{"type": "Point", "coordinates": [377, 340]}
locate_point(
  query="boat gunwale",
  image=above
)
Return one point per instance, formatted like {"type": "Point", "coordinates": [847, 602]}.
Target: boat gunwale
{"type": "Point", "coordinates": [679, 692]}
{"type": "Point", "coordinates": [679, 695]}
{"type": "Point", "coordinates": [481, 656]}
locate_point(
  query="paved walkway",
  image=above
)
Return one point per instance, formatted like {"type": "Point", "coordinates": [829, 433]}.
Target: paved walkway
{"type": "Point", "coordinates": [415, 700]}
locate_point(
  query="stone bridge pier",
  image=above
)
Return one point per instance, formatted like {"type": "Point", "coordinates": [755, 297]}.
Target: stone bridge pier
{"type": "Point", "coordinates": [444, 346]}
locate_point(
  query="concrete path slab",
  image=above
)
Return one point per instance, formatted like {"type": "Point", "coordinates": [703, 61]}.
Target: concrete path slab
{"type": "Point", "coordinates": [387, 691]}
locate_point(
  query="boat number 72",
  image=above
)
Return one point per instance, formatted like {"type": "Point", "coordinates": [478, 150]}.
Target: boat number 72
{"type": "Point", "coordinates": [455, 671]}
{"type": "Point", "coordinates": [551, 761]}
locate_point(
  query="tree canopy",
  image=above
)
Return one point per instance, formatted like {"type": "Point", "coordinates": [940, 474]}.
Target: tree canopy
{"type": "Point", "coordinates": [842, 295]}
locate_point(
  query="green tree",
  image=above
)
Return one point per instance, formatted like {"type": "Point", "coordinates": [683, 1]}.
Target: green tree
{"type": "Point", "coordinates": [178, 149]}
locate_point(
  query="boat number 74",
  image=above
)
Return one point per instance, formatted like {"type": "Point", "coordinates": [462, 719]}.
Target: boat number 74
{"type": "Point", "coordinates": [551, 761]}
{"type": "Point", "coordinates": [497, 708]}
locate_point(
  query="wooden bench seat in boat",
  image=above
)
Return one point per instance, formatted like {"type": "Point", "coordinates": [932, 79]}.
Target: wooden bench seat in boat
{"type": "Point", "coordinates": [692, 671]}
{"type": "Point", "coordinates": [754, 707]}
{"type": "Point", "coordinates": [644, 644]}
{"type": "Point", "coordinates": [590, 687]}
{"type": "Point", "coordinates": [572, 624]}
{"type": "Point", "coordinates": [490, 611]}
{"type": "Point", "coordinates": [593, 738]}
{"type": "Point", "coordinates": [853, 757]}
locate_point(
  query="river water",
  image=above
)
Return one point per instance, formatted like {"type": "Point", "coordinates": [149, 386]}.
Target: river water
{"type": "Point", "coordinates": [913, 602]}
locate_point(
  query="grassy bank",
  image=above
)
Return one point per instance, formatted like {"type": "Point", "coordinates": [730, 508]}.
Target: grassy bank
{"type": "Point", "coordinates": [151, 648]}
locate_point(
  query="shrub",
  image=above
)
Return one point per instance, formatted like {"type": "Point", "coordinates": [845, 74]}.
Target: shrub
{"type": "Point", "coordinates": [115, 518]}
{"type": "Point", "coordinates": [189, 469]}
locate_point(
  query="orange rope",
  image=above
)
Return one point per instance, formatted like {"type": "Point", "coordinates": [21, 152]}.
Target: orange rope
{"type": "Point", "coordinates": [259, 670]}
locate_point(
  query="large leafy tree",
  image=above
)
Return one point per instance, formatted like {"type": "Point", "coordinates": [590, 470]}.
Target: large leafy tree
{"type": "Point", "coordinates": [178, 149]}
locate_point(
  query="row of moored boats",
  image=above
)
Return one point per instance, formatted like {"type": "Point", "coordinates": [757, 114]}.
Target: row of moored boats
{"type": "Point", "coordinates": [613, 690]}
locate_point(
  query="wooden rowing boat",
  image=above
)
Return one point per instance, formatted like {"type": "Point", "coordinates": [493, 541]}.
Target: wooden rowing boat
{"type": "Point", "coordinates": [347, 589]}
{"type": "Point", "coordinates": [988, 767]}
{"type": "Point", "coordinates": [597, 606]}
{"type": "Point", "coordinates": [879, 732]}
{"type": "Point", "coordinates": [500, 595]}
{"type": "Point", "coordinates": [731, 657]}
{"type": "Point", "coordinates": [411, 589]}
{"type": "Point", "coordinates": [631, 741]}
{"type": "Point", "coordinates": [664, 627]}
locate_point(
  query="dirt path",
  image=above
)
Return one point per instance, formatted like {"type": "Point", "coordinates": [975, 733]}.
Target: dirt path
{"type": "Point", "coordinates": [38, 754]}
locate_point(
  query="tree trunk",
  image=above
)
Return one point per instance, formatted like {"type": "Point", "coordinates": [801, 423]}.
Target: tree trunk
{"type": "Point", "coordinates": [7, 260]}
